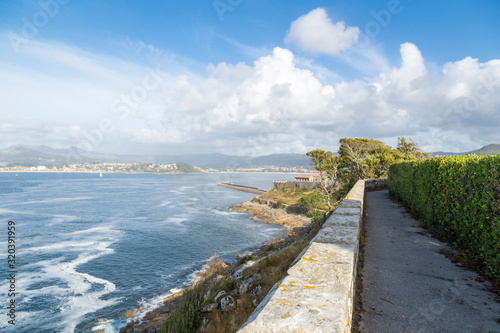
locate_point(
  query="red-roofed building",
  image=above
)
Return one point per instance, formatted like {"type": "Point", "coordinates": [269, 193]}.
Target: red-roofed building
{"type": "Point", "coordinates": [308, 178]}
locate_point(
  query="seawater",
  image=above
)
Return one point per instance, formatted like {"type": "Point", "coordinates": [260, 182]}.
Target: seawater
{"type": "Point", "coordinates": [90, 247]}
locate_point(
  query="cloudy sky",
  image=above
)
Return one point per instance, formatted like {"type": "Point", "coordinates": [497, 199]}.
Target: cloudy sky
{"type": "Point", "coordinates": [248, 77]}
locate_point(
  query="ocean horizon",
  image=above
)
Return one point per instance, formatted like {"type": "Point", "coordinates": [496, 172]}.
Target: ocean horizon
{"type": "Point", "coordinates": [89, 248]}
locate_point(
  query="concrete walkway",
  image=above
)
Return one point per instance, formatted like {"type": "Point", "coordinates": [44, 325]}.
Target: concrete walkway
{"type": "Point", "coordinates": [409, 287]}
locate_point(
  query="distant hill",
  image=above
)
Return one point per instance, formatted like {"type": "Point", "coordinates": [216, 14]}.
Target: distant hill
{"type": "Point", "coordinates": [492, 149]}
{"type": "Point", "coordinates": [43, 155]}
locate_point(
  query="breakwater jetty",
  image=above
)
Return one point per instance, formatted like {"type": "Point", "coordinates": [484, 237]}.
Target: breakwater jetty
{"type": "Point", "coordinates": [243, 188]}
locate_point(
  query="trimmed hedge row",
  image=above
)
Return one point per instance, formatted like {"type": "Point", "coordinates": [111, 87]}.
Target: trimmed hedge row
{"type": "Point", "coordinates": [458, 199]}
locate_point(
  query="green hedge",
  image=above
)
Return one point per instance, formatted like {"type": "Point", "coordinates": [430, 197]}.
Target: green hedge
{"type": "Point", "coordinates": [458, 199]}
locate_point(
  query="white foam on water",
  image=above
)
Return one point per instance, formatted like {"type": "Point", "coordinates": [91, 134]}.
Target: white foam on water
{"type": "Point", "coordinates": [78, 306]}
{"type": "Point", "coordinates": [225, 212]}
{"type": "Point", "coordinates": [175, 290]}
{"type": "Point", "coordinates": [67, 245]}
{"type": "Point", "coordinates": [76, 293]}
{"type": "Point", "coordinates": [21, 317]}
{"type": "Point", "coordinates": [106, 326]}
{"type": "Point", "coordinates": [93, 230]}
{"type": "Point", "coordinates": [146, 305]}
{"type": "Point", "coordinates": [176, 220]}
{"type": "Point", "coordinates": [62, 219]}
{"type": "Point", "coordinates": [55, 200]}
{"type": "Point", "coordinates": [10, 211]}
{"type": "Point", "coordinates": [183, 188]}
{"type": "Point", "coordinates": [165, 203]}
{"type": "Point", "coordinates": [176, 192]}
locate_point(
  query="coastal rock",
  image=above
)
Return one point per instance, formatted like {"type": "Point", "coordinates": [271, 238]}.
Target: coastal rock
{"type": "Point", "coordinates": [227, 302]}
{"type": "Point", "coordinates": [154, 319]}
{"type": "Point", "coordinates": [205, 324]}
{"type": "Point", "coordinates": [256, 291]}
{"type": "Point", "coordinates": [219, 295]}
{"type": "Point", "coordinates": [272, 215]}
{"type": "Point", "coordinates": [150, 329]}
{"type": "Point", "coordinates": [210, 307]}
{"type": "Point", "coordinates": [247, 284]}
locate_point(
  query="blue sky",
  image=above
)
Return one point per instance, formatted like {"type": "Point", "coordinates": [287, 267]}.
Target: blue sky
{"type": "Point", "coordinates": [248, 77]}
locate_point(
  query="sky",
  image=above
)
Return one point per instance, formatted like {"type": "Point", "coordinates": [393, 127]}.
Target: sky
{"type": "Point", "coordinates": [248, 77]}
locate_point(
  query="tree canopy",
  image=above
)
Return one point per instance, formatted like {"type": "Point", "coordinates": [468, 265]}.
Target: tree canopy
{"type": "Point", "coordinates": [359, 158]}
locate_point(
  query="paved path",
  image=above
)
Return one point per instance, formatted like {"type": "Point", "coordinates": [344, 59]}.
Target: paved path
{"type": "Point", "coordinates": [409, 287]}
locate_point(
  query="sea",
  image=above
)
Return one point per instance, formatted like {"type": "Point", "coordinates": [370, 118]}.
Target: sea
{"type": "Point", "coordinates": [88, 249]}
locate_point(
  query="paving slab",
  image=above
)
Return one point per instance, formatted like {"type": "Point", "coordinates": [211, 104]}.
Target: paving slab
{"type": "Point", "coordinates": [408, 286]}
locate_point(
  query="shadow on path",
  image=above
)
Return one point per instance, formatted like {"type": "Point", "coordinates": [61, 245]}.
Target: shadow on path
{"type": "Point", "coordinates": [409, 287]}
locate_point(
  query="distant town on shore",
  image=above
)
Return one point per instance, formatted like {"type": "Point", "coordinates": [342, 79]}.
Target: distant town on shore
{"type": "Point", "coordinates": [21, 158]}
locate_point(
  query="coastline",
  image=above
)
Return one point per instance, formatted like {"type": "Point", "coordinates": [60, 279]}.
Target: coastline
{"type": "Point", "coordinates": [155, 173]}
{"type": "Point", "coordinates": [146, 320]}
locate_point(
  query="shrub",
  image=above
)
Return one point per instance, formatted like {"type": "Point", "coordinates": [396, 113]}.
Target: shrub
{"type": "Point", "coordinates": [458, 199]}
{"type": "Point", "coordinates": [309, 203]}
{"type": "Point", "coordinates": [187, 317]}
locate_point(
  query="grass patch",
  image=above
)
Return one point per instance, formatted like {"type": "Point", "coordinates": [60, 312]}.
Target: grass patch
{"type": "Point", "coordinates": [290, 195]}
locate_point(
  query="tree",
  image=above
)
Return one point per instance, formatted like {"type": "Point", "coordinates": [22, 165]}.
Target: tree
{"type": "Point", "coordinates": [327, 165]}
{"type": "Point", "coordinates": [410, 149]}
{"type": "Point", "coordinates": [358, 159]}
{"type": "Point", "coordinates": [364, 159]}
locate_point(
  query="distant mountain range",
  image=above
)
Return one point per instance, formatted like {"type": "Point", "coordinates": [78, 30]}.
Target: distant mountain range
{"type": "Point", "coordinates": [43, 155]}
{"type": "Point", "coordinates": [492, 149]}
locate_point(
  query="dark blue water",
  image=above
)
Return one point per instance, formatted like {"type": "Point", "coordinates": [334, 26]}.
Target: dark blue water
{"type": "Point", "coordinates": [91, 248]}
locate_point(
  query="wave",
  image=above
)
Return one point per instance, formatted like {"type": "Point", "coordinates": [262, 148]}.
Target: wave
{"type": "Point", "coordinates": [56, 200]}
{"type": "Point", "coordinates": [67, 293]}
{"type": "Point", "coordinates": [225, 212]}
{"type": "Point", "coordinates": [165, 203]}
{"type": "Point", "coordinates": [176, 220]}
{"type": "Point", "coordinates": [10, 211]}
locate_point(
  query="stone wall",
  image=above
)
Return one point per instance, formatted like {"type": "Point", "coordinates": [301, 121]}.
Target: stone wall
{"type": "Point", "coordinates": [318, 293]}
{"type": "Point", "coordinates": [376, 184]}
{"type": "Point", "coordinates": [293, 183]}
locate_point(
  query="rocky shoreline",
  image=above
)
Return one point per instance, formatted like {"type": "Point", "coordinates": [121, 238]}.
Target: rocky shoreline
{"type": "Point", "coordinates": [152, 320]}
{"type": "Point", "coordinates": [272, 215]}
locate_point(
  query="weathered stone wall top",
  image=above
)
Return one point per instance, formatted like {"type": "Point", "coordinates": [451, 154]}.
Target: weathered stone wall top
{"type": "Point", "coordinates": [317, 295]}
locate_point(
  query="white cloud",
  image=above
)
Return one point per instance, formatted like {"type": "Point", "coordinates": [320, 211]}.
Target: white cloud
{"type": "Point", "coordinates": [316, 33]}
{"type": "Point", "coordinates": [274, 105]}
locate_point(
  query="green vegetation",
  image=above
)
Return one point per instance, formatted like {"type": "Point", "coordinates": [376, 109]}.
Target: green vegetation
{"type": "Point", "coordinates": [277, 258]}
{"type": "Point", "coordinates": [310, 205]}
{"type": "Point", "coordinates": [493, 149]}
{"type": "Point", "coordinates": [185, 168]}
{"type": "Point", "coordinates": [289, 195]}
{"type": "Point", "coordinates": [327, 165]}
{"type": "Point", "coordinates": [309, 202]}
{"type": "Point", "coordinates": [187, 317]}
{"type": "Point", "coordinates": [358, 159]}
{"type": "Point", "coordinates": [457, 199]}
